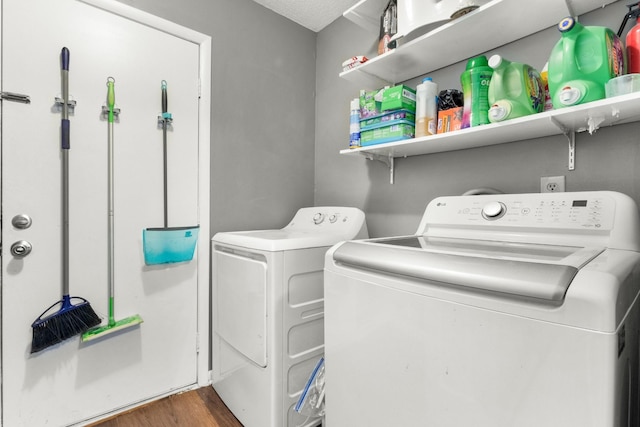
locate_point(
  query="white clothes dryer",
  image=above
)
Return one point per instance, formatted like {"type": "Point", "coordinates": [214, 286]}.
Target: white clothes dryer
{"type": "Point", "coordinates": [508, 310]}
{"type": "Point", "coordinates": [268, 312]}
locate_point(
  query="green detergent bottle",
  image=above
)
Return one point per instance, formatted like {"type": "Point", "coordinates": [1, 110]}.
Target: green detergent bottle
{"type": "Point", "coordinates": [515, 90]}
{"type": "Point", "coordinates": [582, 62]}
{"type": "Point", "coordinates": [475, 87]}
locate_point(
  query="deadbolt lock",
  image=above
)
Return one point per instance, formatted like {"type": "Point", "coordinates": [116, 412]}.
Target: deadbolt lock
{"type": "Point", "coordinates": [21, 222]}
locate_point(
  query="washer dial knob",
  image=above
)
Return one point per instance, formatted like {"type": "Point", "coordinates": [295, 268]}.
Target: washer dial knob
{"type": "Point", "coordinates": [318, 218]}
{"type": "Point", "coordinates": [493, 210]}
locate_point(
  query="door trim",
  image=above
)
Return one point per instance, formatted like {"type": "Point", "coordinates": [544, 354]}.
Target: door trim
{"type": "Point", "coordinates": [204, 129]}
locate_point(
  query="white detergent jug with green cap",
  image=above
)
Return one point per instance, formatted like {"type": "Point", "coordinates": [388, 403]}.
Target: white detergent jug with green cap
{"type": "Point", "coordinates": [582, 62]}
{"type": "Point", "coordinates": [515, 90]}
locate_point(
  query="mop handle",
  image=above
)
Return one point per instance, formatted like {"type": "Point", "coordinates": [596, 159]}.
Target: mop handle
{"type": "Point", "coordinates": [65, 127]}
{"type": "Point", "coordinates": [111, 97]}
{"type": "Point", "coordinates": [164, 150]}
{"type": "Point", "coordinates": [111, 101]}
{"type": "Point", "coordinates": [164, 96]}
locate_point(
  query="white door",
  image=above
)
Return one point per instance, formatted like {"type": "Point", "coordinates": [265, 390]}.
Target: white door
{"type": "Point", "coordinates": [74, 381]}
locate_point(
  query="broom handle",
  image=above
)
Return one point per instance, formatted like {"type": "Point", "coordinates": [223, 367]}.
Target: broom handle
{"type": "Point", "coordinates": [111, 101]}
{"type": "Point", "coordinates": [164, 151]}
{"type": "Point", "coordinates": [65, 127]}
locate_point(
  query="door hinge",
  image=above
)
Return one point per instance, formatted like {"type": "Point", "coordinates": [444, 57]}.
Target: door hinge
{"type": "Point", "coordinates": [15, 97]}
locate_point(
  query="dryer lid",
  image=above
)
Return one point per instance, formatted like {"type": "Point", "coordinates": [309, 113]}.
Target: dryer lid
{"type": "Point", "coordinates": [314, 227]}
{"type": "Point", "coordinates": [279, 240]}
{"type": "Point", "coordinates": [543, 272]}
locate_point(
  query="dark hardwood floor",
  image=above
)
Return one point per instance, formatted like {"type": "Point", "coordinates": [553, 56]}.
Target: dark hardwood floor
{"type": "Point", "coordinates": [196, 408]}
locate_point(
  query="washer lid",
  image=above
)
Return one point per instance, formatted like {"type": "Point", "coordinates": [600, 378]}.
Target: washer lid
{"type": "Point", "coordinates": [543, 272]}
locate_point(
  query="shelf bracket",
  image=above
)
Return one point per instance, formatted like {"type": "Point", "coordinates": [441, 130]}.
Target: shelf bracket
{"type": "Point", "coordinates": [572, 149]}
{"type": "Point", "coordinates": [571, 138]}
{"type": "Point", "coordinates": [386, 160]}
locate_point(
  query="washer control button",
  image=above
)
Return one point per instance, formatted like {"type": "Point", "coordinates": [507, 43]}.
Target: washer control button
{"type": "Point", "coordinates": [318, 218]}
{"type": "Point", "coordinates": [333, 218]}
{"type": "Point", "coordinates": [493, 210]}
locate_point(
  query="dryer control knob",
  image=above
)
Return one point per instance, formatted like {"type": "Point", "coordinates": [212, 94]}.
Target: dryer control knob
{"type": "Point", "coordinates": [493, 210]}
{"type": "Point", "coordinates": [318, 218]}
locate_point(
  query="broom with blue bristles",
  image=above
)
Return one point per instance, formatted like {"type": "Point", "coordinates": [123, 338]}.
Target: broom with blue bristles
{"type": "Point", "coordinates": [70, 319]}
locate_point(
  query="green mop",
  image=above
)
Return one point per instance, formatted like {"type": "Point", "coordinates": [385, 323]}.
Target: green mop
{"type": "Point", "coordinates": [112, 325]}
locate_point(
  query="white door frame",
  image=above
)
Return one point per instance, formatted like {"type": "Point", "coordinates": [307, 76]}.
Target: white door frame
{"type": "Point", "coordinates": [204, 119]}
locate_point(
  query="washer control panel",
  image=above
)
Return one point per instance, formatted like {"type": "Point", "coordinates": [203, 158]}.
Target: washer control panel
{"type": "Point", "coordinates": [588, 210]}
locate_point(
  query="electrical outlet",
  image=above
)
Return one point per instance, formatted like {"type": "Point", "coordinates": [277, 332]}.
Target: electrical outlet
{"type": "Point", "coordinates": [551, 184]}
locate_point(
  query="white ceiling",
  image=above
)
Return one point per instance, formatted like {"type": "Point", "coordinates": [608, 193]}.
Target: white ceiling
{"type": "Point", "coordinates": [312, 14]}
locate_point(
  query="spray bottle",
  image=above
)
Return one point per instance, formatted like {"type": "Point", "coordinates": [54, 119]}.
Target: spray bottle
{"type": "Point", "coordinates": [354, 123]}
{"type": "Point", "coordinates": [633, 38]}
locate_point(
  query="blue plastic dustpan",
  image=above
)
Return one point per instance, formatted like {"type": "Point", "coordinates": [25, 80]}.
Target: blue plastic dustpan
{"type": "Point", "coordinates": [169, 245]}
{"type": "Point", "coordinates": [164, 245]}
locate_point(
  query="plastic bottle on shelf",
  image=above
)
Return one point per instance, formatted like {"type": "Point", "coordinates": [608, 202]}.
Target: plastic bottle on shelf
{"type": "Point", "coordinates": [544, 76]}
{"type": "Point", "coordinates": [515, 90]}
{"type": "Point", "coordinates": [633, 48]}
{"type": "Point", "coordinates": [475, 87]}
{"type": "Point", "coordinates": [582, 62]}
{"type": "Point", "coordinates": [354, 123]}
{"type": "Point", "coordinates": [426, 108]}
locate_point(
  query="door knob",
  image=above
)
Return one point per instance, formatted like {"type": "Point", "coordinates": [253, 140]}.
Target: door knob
{"type": "Point", "coordinates": [21, 249]}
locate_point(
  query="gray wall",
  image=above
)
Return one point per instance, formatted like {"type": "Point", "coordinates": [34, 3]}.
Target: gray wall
{"type": "Point", "coordinates": [604, 161]}
{"type": "Point", "coordinates": [267, 132]}
{"type": "Point", "coordinates": [262, 115]}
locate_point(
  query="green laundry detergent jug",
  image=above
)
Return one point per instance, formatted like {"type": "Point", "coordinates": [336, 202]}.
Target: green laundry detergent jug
{"type": "Point", "coordinates": [582, 62]}
{"type": "Point", "coordinates": [515, 90]}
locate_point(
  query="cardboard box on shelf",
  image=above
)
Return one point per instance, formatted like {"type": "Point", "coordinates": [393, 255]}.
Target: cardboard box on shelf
{"type": "Point", "coordinates": [449, 120]}
{"type": "Point", "coordinates": [370, 103]}
{"type": "Point", "coordinates": [399, 97]}
{"type": "Point", "coordinates": [387, 132]}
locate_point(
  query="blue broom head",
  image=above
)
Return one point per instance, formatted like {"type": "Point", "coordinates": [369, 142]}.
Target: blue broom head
{"type": "Point", "coordinates": [169, 245]}
{"type": "Point", "coordinates": [68, 321]}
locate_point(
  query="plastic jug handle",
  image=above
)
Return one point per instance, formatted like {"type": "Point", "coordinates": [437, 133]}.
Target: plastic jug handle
{"type": "Point", "coordinates": [568, 51]}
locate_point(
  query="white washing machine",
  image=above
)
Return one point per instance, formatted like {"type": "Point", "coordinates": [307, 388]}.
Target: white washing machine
{"type": "Point", "coordinates": [268, 312]}
{"type": "Point", "coordinates": [502, 311]}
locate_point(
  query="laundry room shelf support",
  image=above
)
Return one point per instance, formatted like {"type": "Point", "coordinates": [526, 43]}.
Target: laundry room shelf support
{"type": "Point", "coordinates": [571, 138]}
{"type": "Point", "coordinates": [389, 161]}
{"type": "Point", "coordinates": [572, 149]}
